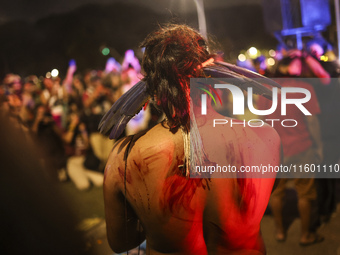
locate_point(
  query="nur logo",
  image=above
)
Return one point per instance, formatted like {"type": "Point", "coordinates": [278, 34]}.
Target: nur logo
{"type": "Point", "coordinates": [238, 99]}
{"type": "Point", "coordinates": [204, 98]}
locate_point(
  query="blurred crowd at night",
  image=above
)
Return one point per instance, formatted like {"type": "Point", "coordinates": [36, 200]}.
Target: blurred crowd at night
{"type": "Point", "coordinates": [56, 94]}
{"type": "Point", "coordinates": [61, 114]}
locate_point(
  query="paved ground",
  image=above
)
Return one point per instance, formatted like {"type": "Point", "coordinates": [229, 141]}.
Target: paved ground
{"type": "Point", "coordinates": [88, 206]}
{"type": "Point", "coordinates": [330, 246]}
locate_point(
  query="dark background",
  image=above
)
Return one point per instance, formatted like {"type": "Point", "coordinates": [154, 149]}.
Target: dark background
{"type": "Point", "coordinates": [37, 36]}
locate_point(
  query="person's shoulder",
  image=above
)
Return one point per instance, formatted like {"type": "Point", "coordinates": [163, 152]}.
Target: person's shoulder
{"type": "Point", "coordinates": [263, 144]}
{"type": "Point", "coordinates": [267, 130]}
{"type": "Point", "coordinates": [263, 133]}
{"type": "Point", "coordinates": [256, 126]}
{"type": "Point", "coordinates": [119, 152]}
{"type": "Point", "coordinates": [158, 139]}
{"type": "Point", "coordinates": [144, 144]}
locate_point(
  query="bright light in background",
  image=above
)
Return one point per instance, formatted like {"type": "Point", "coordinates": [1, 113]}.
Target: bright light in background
{"type": "Point", "coordinates": [242, 57]}
{"type": "Point", "coordinates": [272, 53]}
{"type": "Point", "coordinates": [106, 51]}
{"type": "Point", "coordinates": [48, 75]}
{"type": "Point", "coordinates": [252, 52]}
{"type": "Point", "coordinates": [112, 65]}
{"type": "Point", "coordinates": [54, 72]}
{"type": "Point", "coordinates": [324, 58]}
{"type": "Point", "coordinates": [270, 61]}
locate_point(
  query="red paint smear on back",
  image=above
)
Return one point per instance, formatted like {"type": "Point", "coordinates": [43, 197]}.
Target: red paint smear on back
{"type": "Point", "coordinates": [178, 192]}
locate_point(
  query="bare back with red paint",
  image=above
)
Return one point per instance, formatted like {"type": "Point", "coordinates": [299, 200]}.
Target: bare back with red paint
{"type": "Point", "coordinates": [180, 215]}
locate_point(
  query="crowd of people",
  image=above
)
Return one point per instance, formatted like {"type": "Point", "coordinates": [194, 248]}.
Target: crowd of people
{"type": "Point", "coordinates": [315, 139]}
{"type": "Point", "coordinates": [62, 116]}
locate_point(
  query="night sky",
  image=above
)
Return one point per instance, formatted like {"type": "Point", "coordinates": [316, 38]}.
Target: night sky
{"type": "Point", "coordinates": [45, 34]}
{"type": "Point", "coordinates": [31, 10]}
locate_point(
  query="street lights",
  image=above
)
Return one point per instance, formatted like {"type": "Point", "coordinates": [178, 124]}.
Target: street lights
{"type": "Point", "coordinates": [201, 18]}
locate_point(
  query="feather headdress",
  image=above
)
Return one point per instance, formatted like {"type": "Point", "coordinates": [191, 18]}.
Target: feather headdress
{"type": "Point", "coordinates": [129, 104]}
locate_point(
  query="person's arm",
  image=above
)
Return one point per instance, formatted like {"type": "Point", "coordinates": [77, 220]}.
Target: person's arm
{"type": "Point", "coordinates": [40, 115]}
{"type": "Point", "coordinates": [44, 97]}
{"type": "Point", "coordinates": [84, 134]}
{"type": "Point", "coordinates": [87, 101]}
{"type": "Point", "coordinates": [69, 76]}
{"type": "Point", "coordinates": [313, 65]}
{"type": "Point", "coordinates": [318, 70]}
{"type": "Point", "coordinates": [313, 126]}
{"type": "Point", "coordinates": [264, 152]}
{"type": "Point", "coordinates": [69, 133]}
{"type": "Point", "coordinates": [124, 231]}
{"type": "Point", "coordinates": [37, 120]}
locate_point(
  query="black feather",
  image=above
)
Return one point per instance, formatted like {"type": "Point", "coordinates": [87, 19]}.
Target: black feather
{"type": "Point", "coordinates": [131, 102]}
{"type": "Point", "coordinates": [249, 74]}
{"type": "Point", "coordinates": [124, 109]}
{"type": "Point", "coordinates": [238, 79]}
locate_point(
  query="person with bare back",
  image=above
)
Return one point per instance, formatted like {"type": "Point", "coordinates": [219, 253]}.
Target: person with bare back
{"type": "Point", "coordinates": [148, 191]}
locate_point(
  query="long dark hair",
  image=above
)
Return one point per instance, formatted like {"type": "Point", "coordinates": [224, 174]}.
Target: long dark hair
{"type": "Point", "coordinates": [172, 56]}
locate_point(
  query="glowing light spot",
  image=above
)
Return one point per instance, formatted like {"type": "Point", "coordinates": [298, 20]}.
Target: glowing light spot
{"type": "Point", "coordinates": [54, 72]}
{"type": "Point", "coordinates": [48, 75]}
{"type": "Point", "coordinates": [242, 57]}
{"type": "Point", "coordinates": [270, 61]}
{"type": "Point", "coordinates": [252, 52]}
{"type": "Point", "coordinates": [106, 51]}
{"type": "Point", "coordinates": [324, 58]}
{"type": "Point", "coordinates": [272, 53]}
